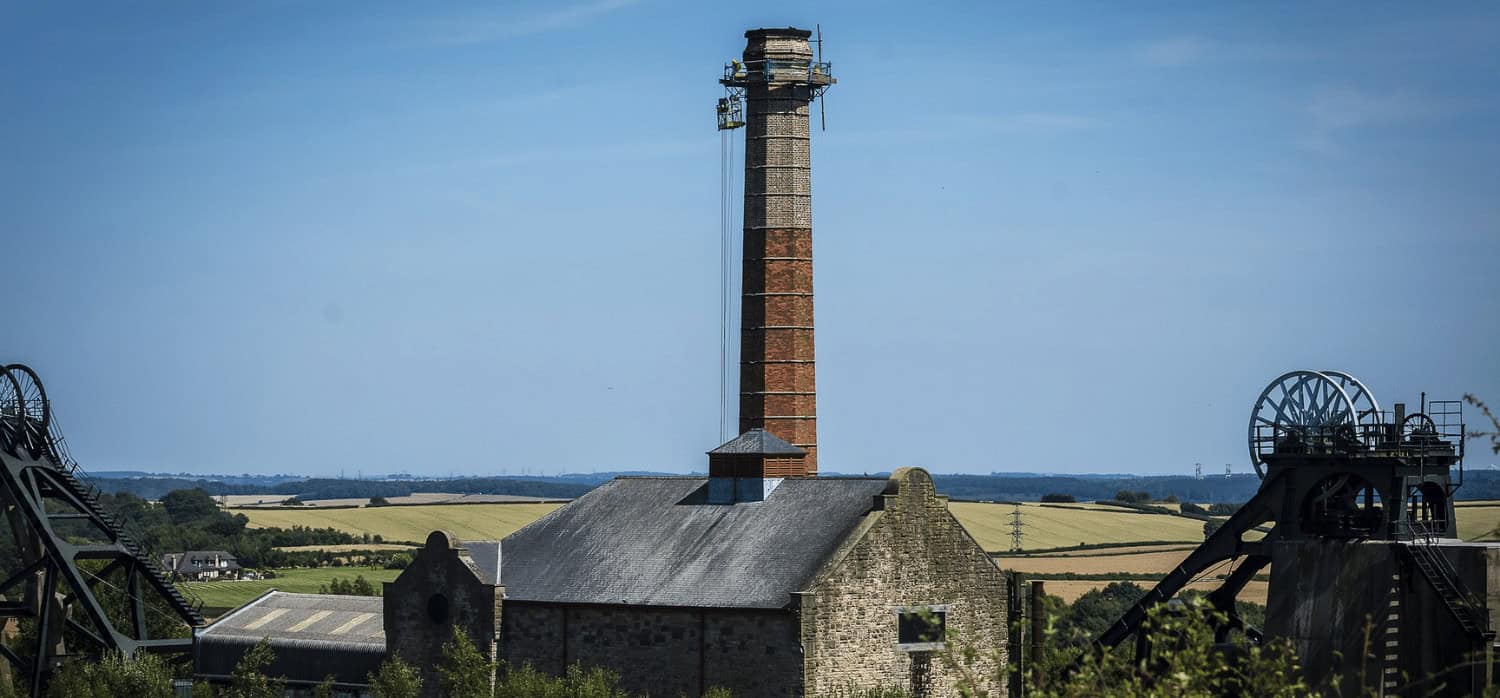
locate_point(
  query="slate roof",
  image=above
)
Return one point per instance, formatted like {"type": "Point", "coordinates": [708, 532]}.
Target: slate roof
{"type": "Point", "coordinates": [486, 557]}
{"type": "Point", "coordinates": [757, 442]}
{"type": "Point", "coordinates": [655, 541]}
{"type": "Point", "coordinates": [312, 635]}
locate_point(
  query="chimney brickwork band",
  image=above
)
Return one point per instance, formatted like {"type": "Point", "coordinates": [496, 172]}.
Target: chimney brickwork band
{"type": "Point", "coordinates": [777, 377]}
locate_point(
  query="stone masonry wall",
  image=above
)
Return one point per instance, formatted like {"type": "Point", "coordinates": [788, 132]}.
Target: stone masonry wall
{"type": "Point", "coordinates": [436, 592]}
{"type": "Point", "coordinates": [660, 651]}
{"type": "Point", "coordinates": [911, 553]}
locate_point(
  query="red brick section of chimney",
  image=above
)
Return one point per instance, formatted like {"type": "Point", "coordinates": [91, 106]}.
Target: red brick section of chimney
{"type": "Point", "coordinates": [778, 389]}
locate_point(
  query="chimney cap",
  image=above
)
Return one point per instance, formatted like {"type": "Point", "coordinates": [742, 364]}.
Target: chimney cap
{"type": "Point", "coordinates": [757, 442]}
{"type": "Point", "coordinates": [768, 32]}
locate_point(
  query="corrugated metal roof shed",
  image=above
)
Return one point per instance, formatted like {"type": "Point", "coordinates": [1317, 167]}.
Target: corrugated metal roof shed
{"type": "Point", "coordinates": [655, 541]}
{"type": "Point", "coordinates": [313, 635]}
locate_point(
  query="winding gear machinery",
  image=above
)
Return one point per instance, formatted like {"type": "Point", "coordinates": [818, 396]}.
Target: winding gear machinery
{"type": "Point", "coordinates": [1333, 465]}
{"type": "Point", "coordinates": [80, 583]}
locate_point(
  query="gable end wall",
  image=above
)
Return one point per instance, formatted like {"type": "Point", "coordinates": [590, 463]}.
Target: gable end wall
{"type": "Point", "coordinates": [910, 553]}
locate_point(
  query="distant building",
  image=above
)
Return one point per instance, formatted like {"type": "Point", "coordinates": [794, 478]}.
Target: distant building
{"type": "Point", "coordinates": [201, 565]}
{"type": "Point", "coordinates": [314, 636]}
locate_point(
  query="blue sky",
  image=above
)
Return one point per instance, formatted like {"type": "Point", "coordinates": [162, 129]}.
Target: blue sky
{"type": "Point", "coordinates": [483, 238]}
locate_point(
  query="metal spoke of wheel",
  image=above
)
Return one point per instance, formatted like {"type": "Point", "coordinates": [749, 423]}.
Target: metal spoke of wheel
{"type": "Point", "coordinates": [1301, 399]}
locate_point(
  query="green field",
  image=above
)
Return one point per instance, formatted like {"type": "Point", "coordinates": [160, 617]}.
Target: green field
{"type": "Point", "coordinates": [1059, 527]}
{"type": "Point", "coordinates": [409, 523]}
{"type": "Point", "coordinates": [222, 595]}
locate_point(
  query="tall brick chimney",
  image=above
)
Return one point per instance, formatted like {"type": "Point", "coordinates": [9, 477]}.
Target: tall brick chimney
{"type": "Point", "coordinates": [778, 390]}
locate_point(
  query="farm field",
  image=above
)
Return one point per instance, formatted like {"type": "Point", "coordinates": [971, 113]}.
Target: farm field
{"type": "Point", "coordinates": [1477, 520]}
{"type": "Point", "coordinates": [1065, 526]}
{"type": "Point", "coordinates": [1152, 562]}
{"type": "Point", "coordinates": [409, 523]}
{"type": "Point", "coordinates": [1171, 506]}
{"type": "Point", "coordinates": [218, 596]}
{"type": "Point", "coordinates": [345, 548]}
{"type": "Point", "coordinates": [275, 500]}
{"type": "Point", "coordinates": [1254, 592]}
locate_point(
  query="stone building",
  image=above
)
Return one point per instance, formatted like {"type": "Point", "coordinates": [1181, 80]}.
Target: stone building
{"type": "Point", "coordinates": [449, 583]}
{"type": "Point", "coordinates": [820, 585]}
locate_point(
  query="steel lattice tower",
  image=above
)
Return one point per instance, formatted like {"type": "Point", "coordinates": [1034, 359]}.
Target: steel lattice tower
{"type": "Point", "coordinates": [80, 580]}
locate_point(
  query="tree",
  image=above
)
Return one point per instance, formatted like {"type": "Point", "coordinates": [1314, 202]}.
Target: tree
{"type": "Point", "coordinates": [463, 671]}
{"type": "Point", "coordinates": [249, 678]}
{"type": "Point", "coordinates": [362, 587]}
{"type": "Point", "coordinates": [1095, 611]}
{"type": "Point", "coordinates": [395, 679]}
{"type": "Point", "coordinates": [1210, 527]}
{"type": "Point", "coordinates": [1494, 436]}
{"type": "Point", "coordinates": [145, 676]}
{"type": "Point", "coordinates": [1185, 662]}
{"type": "Point", "coordinates": [189, 506]}
{"type": "Point", "coordinates": [324, 689]}
{"type": "Point", "coordinates": [1058, 498]}
{"type": "Point", "coordinates": [379, 501]}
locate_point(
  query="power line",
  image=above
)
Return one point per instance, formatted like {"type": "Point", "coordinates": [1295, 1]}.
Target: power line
{"type": "Point", "coordinates": [1015, 528]}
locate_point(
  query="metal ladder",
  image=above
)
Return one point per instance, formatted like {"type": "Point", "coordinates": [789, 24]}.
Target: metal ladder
{"type": "Point", "coordinates": [1434, 566]}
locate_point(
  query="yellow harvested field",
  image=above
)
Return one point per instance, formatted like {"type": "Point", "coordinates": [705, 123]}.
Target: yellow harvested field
{"type": "Point", "coordinates": [412, 523]}
{"type": "Point", "coordinates": [1053, 527]}
{"type": "Point", "coordinates": [1140, 563]}
{"type": "Point", "coordinates": [1159, 562]}
{"type": "Point", "coordinates": [1185, 548]}
{"type": "Point", "coordinates": [347, 548]}
{"type": "Point", "coordinates": [1069, 590]}
{"type": "Point", "coordinates": [1170, 506]}
{"type": "Point", "coordinates": [1477, 522]}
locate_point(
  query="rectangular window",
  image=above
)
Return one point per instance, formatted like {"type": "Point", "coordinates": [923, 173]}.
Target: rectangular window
{"type": "Point", "coordinates": [921, 628]}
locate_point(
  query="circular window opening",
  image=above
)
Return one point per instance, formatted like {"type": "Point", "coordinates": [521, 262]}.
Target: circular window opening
{"type": "Point", "coordinates": [437, 608]}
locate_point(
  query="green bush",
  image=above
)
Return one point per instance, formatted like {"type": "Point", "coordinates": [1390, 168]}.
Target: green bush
{"type": "Point", "coordinates": [464, 672]}
{"type": "Point", "coordinates": [146, 676]}
{"type": "Point", "coordinates": [395, 679]}
{"type": "Point", "coordinates": [576, 682]}
{"type": "Point", "coordinates": [249, 678]}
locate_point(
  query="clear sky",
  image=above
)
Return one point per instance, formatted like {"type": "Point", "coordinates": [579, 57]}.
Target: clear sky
{"type": "Point", "coordinates": [316, 237]}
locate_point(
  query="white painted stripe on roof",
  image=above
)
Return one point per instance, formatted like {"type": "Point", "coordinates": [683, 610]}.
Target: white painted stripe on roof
{"type": "Point", "coordinates": [352, 624]}
{"type": "Point", "coordinates": [270, 615]}
{"type": "Point", "coordinates": [302, 624]}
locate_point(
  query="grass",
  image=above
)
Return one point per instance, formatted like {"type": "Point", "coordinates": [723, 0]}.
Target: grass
{"type": "Point", "coordinates": [1059, 527]}
{"type": "Point", "coordinates": [230, 594]}
{"type": "Point", "coordinates": [409, 523]}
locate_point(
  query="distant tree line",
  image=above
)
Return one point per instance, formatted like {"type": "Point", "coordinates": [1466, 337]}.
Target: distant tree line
{"type": "Point", "coordinates": [336, 488]}
{"type": "Point", "coordinates": [996, 487]}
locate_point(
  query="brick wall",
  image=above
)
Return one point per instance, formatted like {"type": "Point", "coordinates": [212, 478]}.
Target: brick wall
{"type": "Point", "coordinates": [435, 592]}
{"type": "Point", "coordinates": [913, 552]}
{"type": "Point", "coordinates": [777, 386]}
{"type": "Point", "coordinates": [660, 651]}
